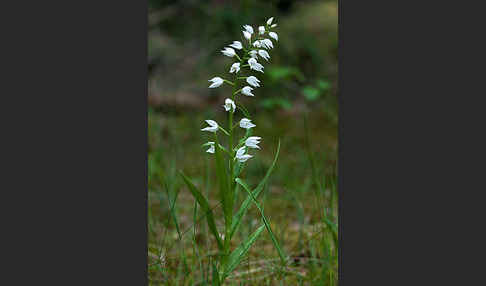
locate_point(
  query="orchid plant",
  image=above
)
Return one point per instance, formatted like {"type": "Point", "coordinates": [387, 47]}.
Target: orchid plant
{"type": "Point", "coordinates": [231, 160]}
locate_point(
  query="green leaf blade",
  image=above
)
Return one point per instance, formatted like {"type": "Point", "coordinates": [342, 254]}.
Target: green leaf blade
{"type": "Point", "coordinates": [265, 221]}
{"type": "Point", "coordinates": [246, 203]}
{"type": "Point", "coordinates": [205, 208]}
{"type": "Point", "coordinates": [237, 255]}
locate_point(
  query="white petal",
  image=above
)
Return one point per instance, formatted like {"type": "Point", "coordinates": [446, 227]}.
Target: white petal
{"type": "Point", "coordinates": [269, 21]}
{"type": "Point", "coordinates": [261, 30]}
{"type": "Point", "coordinates": [247, 91]}
{"type": "Point", "coordinates": [253, 81]}
{"type": "Point", "coordinates": [211, 149]}
{"type": "Point", "coordinates": [273, 26]}
{"type": "Point", "coordinates": [273, 35]}
{"type": "Point", "coordinates": [240, 151]}
{"type": "Point", "coordinates": [264, 54]}
{"type": "Point", "coordinates": [212, 122]}
{"type": "Point", "coordinates": [244, 158]}
{"type": "Point", "coordinates": [248, 28]}
{"type": "Point", "coordinates": [237, 45]}
{"type": "Point", "coordinates": [229, 104]}
{"type": "Point", "coordinates": [247, 35]}
{"type": "Point", "coordinates": [267, 44]}
{"type": "Point", "coordinates": [246, 123]}
{"type": "Point", "coordinates": [228, 52]}
{"type": "Point", "coordinates": [235, 68]}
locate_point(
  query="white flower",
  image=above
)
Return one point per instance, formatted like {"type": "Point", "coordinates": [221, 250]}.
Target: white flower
{"type": "Point", "coordinates": [253, 54]}
{"type": "Point", "coordinates": [216, 82]}
{"type": "Point", "coordinates": [273, 35]}
{"type": "Point", "coordinates": [247, 35]}
{"type": "Point", "coordinates": [273, 26]}
{"type": "Point", "coordinates": [247, 91]}
{"type": "Point", "coordinates": [253, 81]}
{"type": "Point", "coordinates": [213, 126]}
{"type": "Point", "coordinates": [246, 123]}
{"type": "Point", "coordinates": [241, 156]}
{"type": "Point", "coordinates": [229, 104]}
{"type": "Point", "coordinates": [248, 28]}
{"type": "Point", "coordinates": [237, 45]}
{"type": "Point", "coordinates": [267, 44]}
{"type": "Point", "coordinates": [264, 54]}
{"type": "Point", "coordinates": [261, 30]}
{"type": "Point", "coordinates": [211, 147]}
{"type": "Point", "coordinates": [254, 65]}
{"type": "Point", "coordinates": [269, 21]}
{"type": "Point", "coordinates": [253, 141]}
{"type": "Point", "coordinates": [257, 44]}
{"type": "Point", "coordinates": [235, 68]}
{"type": "Point", "coordinates": [229, 52]}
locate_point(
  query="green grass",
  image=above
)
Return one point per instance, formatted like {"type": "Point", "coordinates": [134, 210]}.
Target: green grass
{"type": "Point", "coordinates": [299, 203]}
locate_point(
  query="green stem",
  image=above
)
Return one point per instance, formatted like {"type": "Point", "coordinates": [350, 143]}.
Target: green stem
{"type": "Point", "coordinates": [224, 131]}
{"type": "Point", "coordinates": [238, 57]}
{"type": "Point", "coordinates": [229, 82]}
{"type": "Point", "coordinates": [227, 236]}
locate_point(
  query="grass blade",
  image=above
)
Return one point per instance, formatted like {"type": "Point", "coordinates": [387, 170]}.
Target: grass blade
{"type": "Point", "coordinates": [237, 255]}
{"type": "Point", "coordinates": [246, 203]}
{"type": "Point", "coordinates": [265, 221]}
{"type": "Point", "coordinates": [205, 208]}
{"type": "Point", "coordinates": [215, 275]}
{"type": "Point", "coordinates": [172, 202]}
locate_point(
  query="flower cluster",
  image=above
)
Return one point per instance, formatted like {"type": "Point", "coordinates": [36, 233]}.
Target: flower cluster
{"type": "Point", "coordinates": [256, 45]}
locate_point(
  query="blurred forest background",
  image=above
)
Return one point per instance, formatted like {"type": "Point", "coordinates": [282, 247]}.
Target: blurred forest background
{"type": "Point", "coordinates": [297, 104]}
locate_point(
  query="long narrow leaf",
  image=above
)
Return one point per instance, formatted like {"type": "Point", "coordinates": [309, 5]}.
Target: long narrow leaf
{"type": "Point", "coordinates": [265, 221]}
{"type": "Point", "coordinates": [246, 203]}
{"type": "Point", "coordinates": [224, 189]}
{"type": "Point", "coordinates": [205, 208]}
{"type": "Point", "coordinates": [237, 255]}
